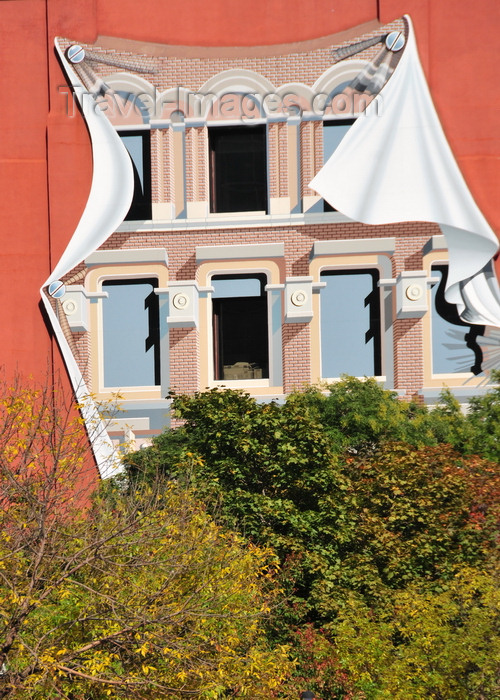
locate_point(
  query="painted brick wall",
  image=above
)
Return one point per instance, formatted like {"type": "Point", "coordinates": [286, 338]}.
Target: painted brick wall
{"type": "Point", "coordinates": [184, 365]}
{"type": "Point", "coordinates": [306, 66]}
{"type": "Point", "coordinates": [296, 356]}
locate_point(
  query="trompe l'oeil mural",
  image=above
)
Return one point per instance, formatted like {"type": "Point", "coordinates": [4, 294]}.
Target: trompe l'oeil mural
{"type": "Point", "coordinates": [387, 162]}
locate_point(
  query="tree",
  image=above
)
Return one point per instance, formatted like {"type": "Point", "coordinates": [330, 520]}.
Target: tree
{"type": "Point", "coordinates": [357, 520]}
{"type": "Point", "coordinates": [441, 644]}
{"type": "Point", "coordinates": [483, 420]}
{"type": "Point", "coordinates": [269, 470]}
{"type": "Point", "coordinates": [359, 415]}
{"type": "Point", "coordinates": [416, 515]}
{"type": "Point", "coordinates": [367, 522]}
{"type": "Point", "coordinates": [134, 592]}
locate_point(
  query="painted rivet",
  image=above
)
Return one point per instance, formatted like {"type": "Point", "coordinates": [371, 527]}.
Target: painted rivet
{"type": "Point", "coordinates": [299, 297]}
{"type": "Point", "coordinates": [69, 307]}
{"type": "Point", "coordinates": [57, 289]}
{"type": "Point", "coordinates": [180, 301]}
{"type": "Point", "coordinates": [395, 41]}
{"type": "Point", "coordinates": [75, 53]}
{"type": "Point", "coordinates": [414, 292]}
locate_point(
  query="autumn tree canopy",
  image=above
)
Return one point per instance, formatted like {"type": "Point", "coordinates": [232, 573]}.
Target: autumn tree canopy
{"type": "Point", "coordinates": [122, 593]}
{"type": "Point", "coordinates": [371, 510]}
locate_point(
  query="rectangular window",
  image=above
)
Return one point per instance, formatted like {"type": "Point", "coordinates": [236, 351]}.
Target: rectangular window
{"type": "Point", "coordinates": [240, 327]}
{"type": "Point", "coordinates": [131, 333]}
{"type": "Point", "coordinates": [350, 324]}
{"type": "Point", "coordinates": [238, 168]}
{"type": "Point", "coordinates": [138, 145]}
{"type": "Point", "coordinates": [333, 133]}
{"type": "Point", "coordinates": [454, 342]}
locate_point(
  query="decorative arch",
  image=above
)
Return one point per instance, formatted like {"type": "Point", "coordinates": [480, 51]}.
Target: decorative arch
{"type": "Point", "coordinates": [132, 101]}
{"type": "Point", "coordinates": [333, 77]}
{"type": "Point", "coordinates": [238, 80]}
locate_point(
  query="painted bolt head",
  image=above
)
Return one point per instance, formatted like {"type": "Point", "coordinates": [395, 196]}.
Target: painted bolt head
{"type": "Point", "coordinates": [57, 289]}
{"type": "Point", "coordinates": [395, 41]}
{"type": "Point", "coordinates": [75, 53]}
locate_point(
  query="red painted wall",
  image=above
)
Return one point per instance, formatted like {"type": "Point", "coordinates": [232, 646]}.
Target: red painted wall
{"type": "Point", "coordinates": [46, 159]}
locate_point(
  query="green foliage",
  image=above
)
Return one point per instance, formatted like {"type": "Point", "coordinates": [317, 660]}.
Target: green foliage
{"type": "Point", "coordinates": [484, 421]}
{"type": "Point", "coordinates": [366, 523]}
{"type": "Point", "coordinates": [426, 644]}
{"type": "Point", "coordinates": [271, 463]}
{"type": "Point", "coordinates": [359, 414]}
{"type": "Point", "coordinates": [365, 501]}
{"type": "Point", "coordinates": [417, 514]}
{"type": "Point", "coordinates": [449, 424]}
{"type": "Point", "coordinates": [318, 666]}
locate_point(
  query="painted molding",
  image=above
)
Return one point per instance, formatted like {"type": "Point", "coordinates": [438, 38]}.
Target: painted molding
{"type": "Point", "coordinates": [121, 257]}
{"type": "Point", "coordinates": [354, 247]}
{"type": "Point", "coordinates": [435, 243]}
{"type": "Point", "coordinates": [298, 299]}
{"type": "Point", "coordinates": [240, 252]}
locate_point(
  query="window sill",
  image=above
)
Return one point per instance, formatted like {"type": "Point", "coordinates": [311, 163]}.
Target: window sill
{"type": "Point", "coordinates": [119, 395]}
{"type": "Point", "coordinates": [238, 220]}
{"type": "Point", "coordinates": [240, 383]}
{"type": "Point", "coordinates": [334, 380]}
{"type": "Point", "coordinates": [462, 393]}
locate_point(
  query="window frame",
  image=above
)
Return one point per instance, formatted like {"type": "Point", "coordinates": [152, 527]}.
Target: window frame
{"type": "Point", "coordinates": [239, 383]}
{"type": "Point", "coordinates": [117, 280]}
{"type": "Point", "coordinates": [379, 352]}
{"type": "Point", "coordinates": [141, 207]}
{"type": "Point", "coordinates": [116, 265]}
{"type": "Point", "coordinates": [272, 271]}
{"type": "Point", "coordinates": [213, 170]}
{"type": "Point", "coordinates": [353, 254]}
{"type": "Point", "coordinates": [433, 311]}
{"type": "Point", "coordinates": [438, 255]}
{"type": "Point", "coordinates": [216, 341]}
{"type": "Point", "coordinates": [134, 388]}
{"type": "Point", "coordinates": [329, 123]}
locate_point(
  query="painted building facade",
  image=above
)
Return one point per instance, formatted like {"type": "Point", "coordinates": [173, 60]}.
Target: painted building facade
{"type": "Point", "coordinates": [228, 268]}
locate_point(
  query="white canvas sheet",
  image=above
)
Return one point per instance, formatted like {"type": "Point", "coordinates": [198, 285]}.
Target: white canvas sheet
{"type": "Point", "coordinates": [108, 203]}
{"type": "Point", "coordinates": [395, 165]}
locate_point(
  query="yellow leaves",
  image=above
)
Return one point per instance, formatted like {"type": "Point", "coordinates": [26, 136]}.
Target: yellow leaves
{"type": "Point", "coordinates": [99, 663]}
{"type": "Point", "coordinates": [171, 600]}
{"type": "Point", "coordinates": [146, 669]}
{"type": "Point", "coordinates": [172, 653]}
{"type": "Point", "coordinates": [143, 650]}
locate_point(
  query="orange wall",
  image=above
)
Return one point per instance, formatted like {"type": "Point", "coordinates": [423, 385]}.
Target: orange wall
{"type": "Point", "coordinates": [458, 45]}
{"type": "Point", "coordinates": [23, 182]}
{"type": "Point", "coordinates": [230, 22]}
{"type": "Point", "coordinates": [45, 156]}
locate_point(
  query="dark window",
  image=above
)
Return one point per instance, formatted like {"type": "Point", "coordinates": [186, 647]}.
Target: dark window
{"type": "Point", "coordinates": [454, 342]}
{"type": "Point", "coordinates": [350, 324]}
{"type": "Point", "coordinates": [138, 146]}
{"type": "Point", "coordinates": [333, 133]}
{"type": "Point", "coordinates": [131, 333]}
{"type": "Point", "coordinates": [238, 168]}
{"type": "Point", "coordinates": [240, 321]}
